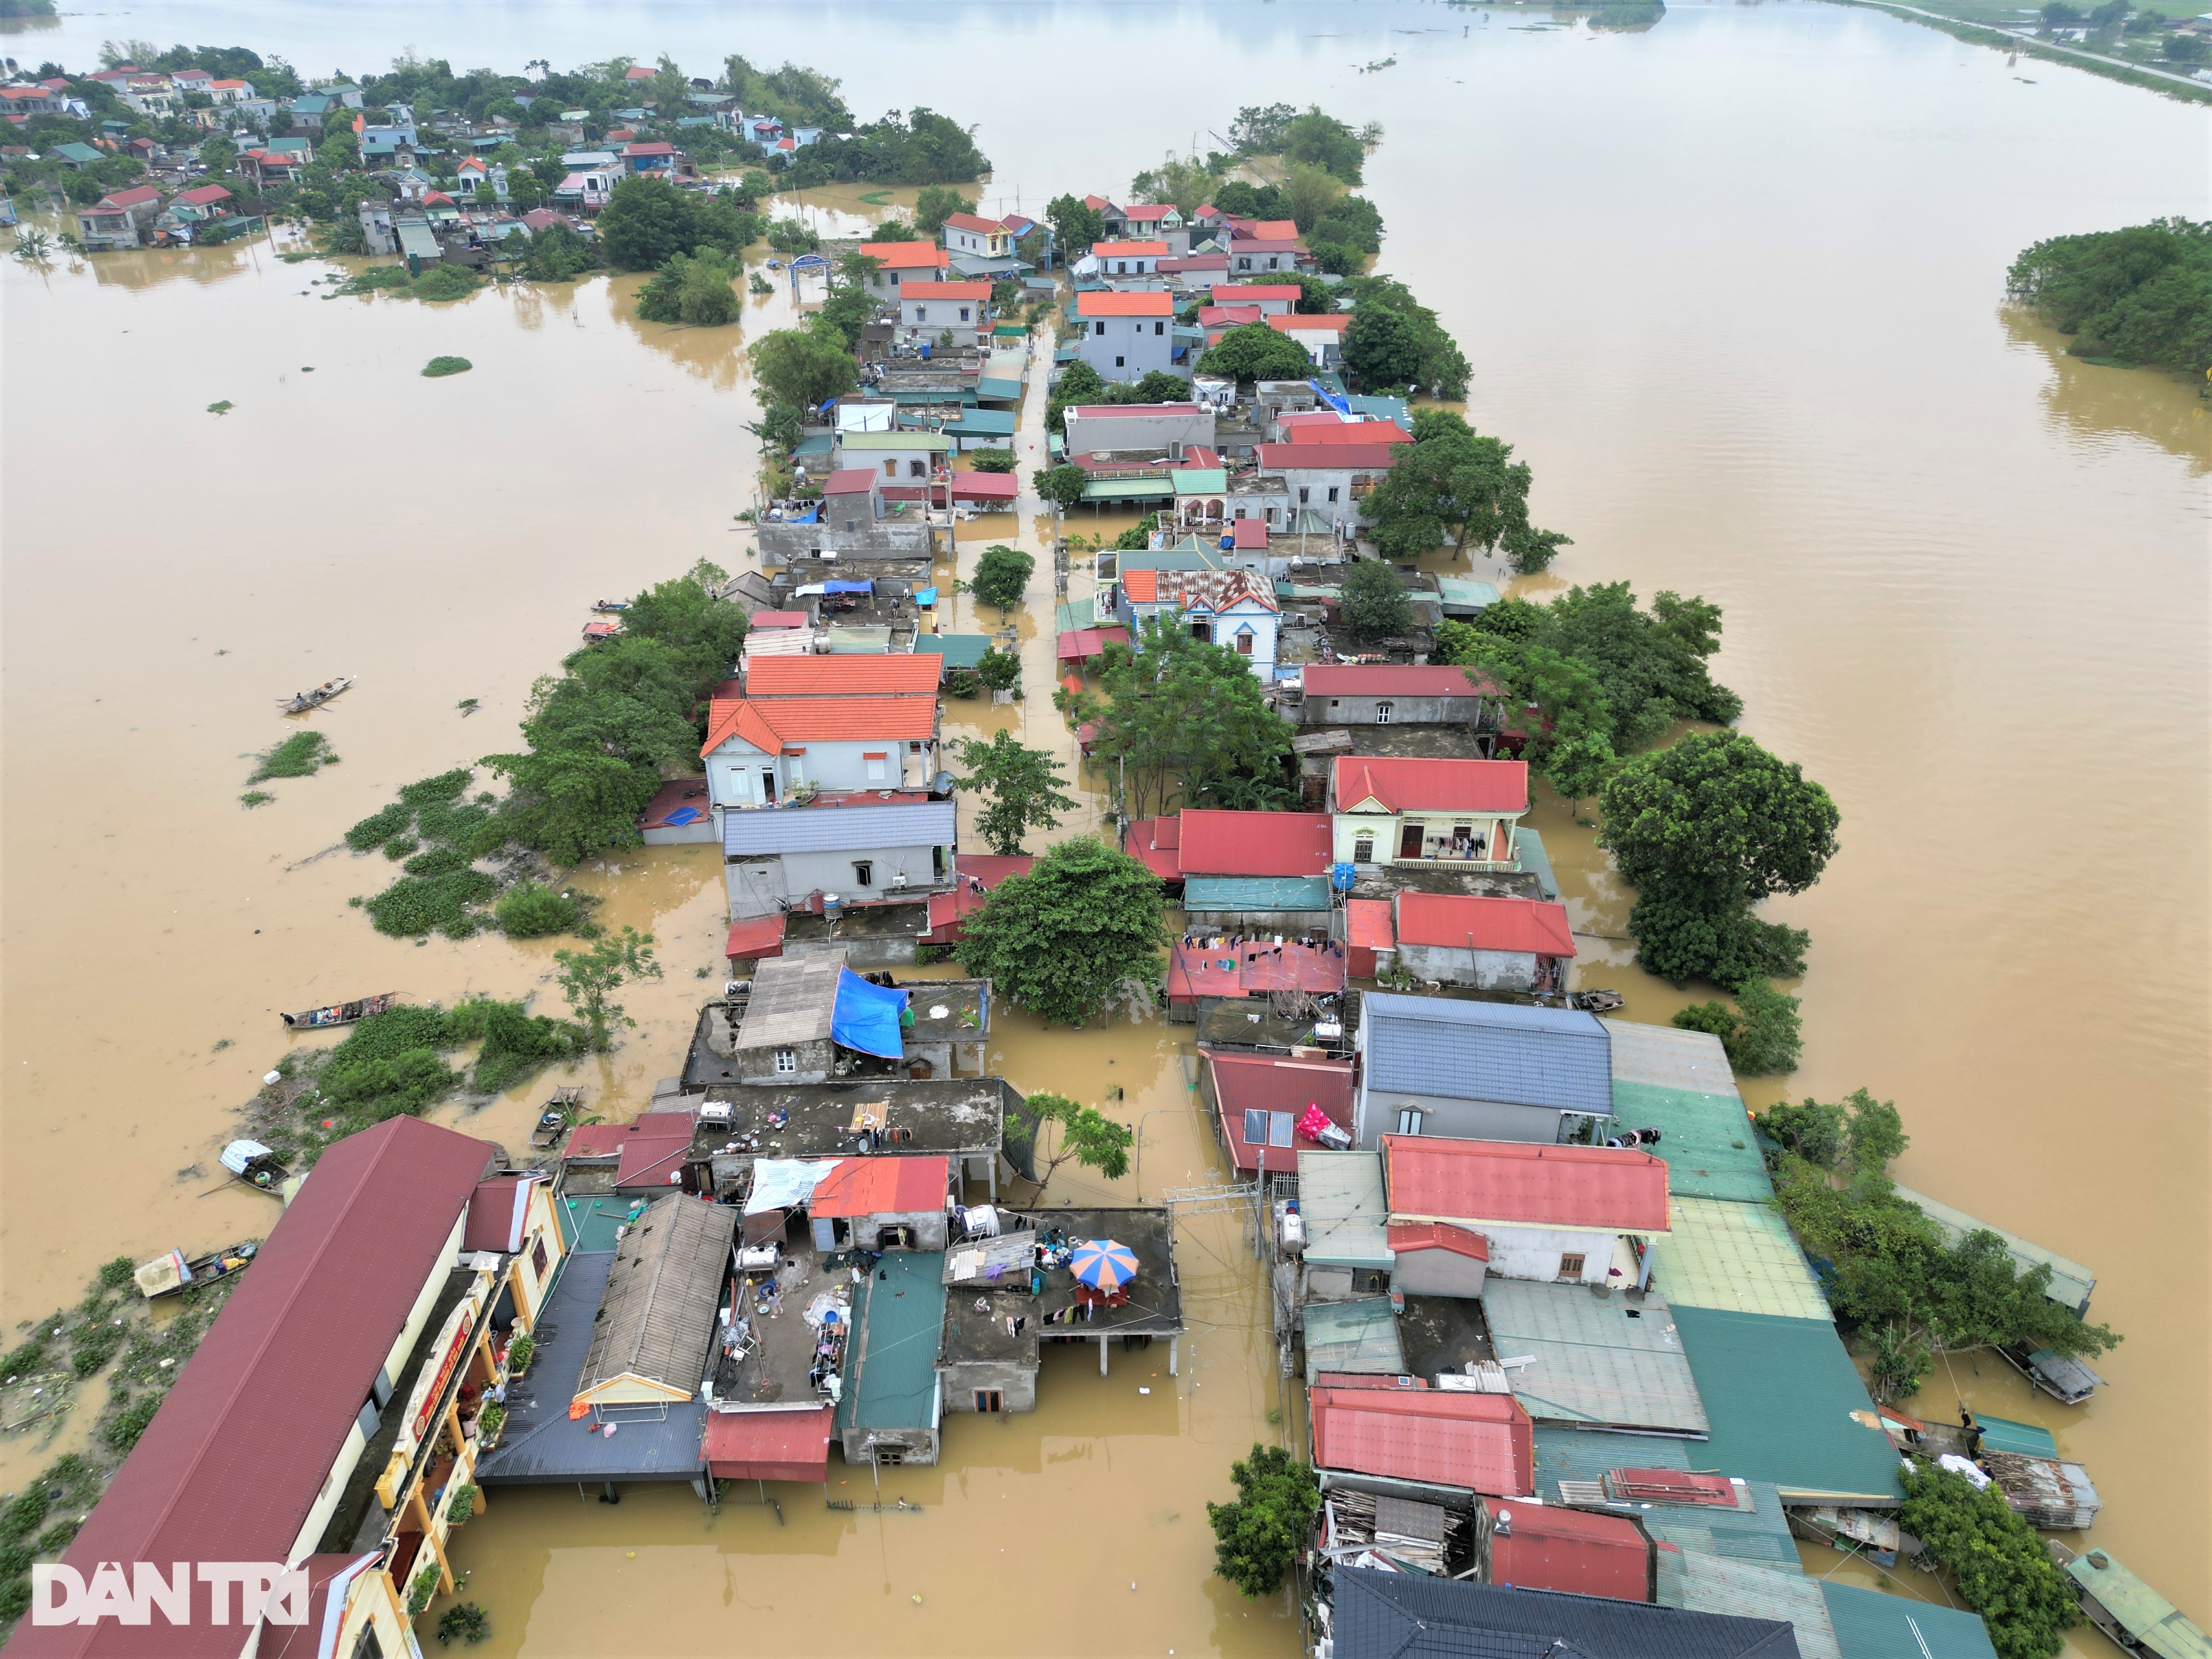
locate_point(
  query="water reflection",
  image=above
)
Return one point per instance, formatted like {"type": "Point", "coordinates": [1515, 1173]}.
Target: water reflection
{"type": "Point", "coordinates": [2095, 401]}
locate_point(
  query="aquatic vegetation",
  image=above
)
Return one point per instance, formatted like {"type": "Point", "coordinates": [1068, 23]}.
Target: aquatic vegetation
{"type": "Point", "coordinates": [300, 756]}
{"type": "Point", "coordinates": [223, 408]}
{"type": "Point", "coordinates": [438, 367]}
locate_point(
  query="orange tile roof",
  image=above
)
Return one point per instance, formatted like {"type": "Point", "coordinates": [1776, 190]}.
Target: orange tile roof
{"type": "Point", "coordinates": [1311, 322]}
{"type": "Point", "coordinates": [907, 673]}
{"type": "Point", "coordinates": [1226, 293]}
{"type": "Point", "coordinates": [774, 726]}
{"type": "Point", "coordinates": [1098, 303]}
{"type": "Point", "coordinates": [1134, 249]}
{"type": "Point", "coordinates": [981, 227]}
{"type": "Point", "coordinates": [906, 256]}
{"type": "Point", "coordinates": [945, 290]}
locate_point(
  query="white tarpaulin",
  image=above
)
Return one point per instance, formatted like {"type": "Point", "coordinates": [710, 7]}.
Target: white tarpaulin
{"type": "Point", "coordinates": [785, 1184]}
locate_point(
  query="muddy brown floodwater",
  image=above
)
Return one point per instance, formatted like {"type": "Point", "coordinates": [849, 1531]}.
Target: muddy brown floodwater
{"type": "Point", "coordinates": [1740, 309]}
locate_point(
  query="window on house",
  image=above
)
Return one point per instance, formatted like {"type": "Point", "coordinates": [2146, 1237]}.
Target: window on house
{"type": "Point", "coordinates": [786, 1059]}
{"type": "Point", "coordinates": [864, 873]}
{"type": "Point", "coordinates": [1570, 1267]}
{"type": "Point", "coordinates": [877, 766]}
{"type": "Point", "coordinates": [1381, 713]}
{"type": "Point", "coordinates": [890, 1457]}
{"type": "Point", "coordinates": [1244, 645]}
{"type": "Point", "coordinates": [990, 1399]}
{"type": "Point", "coordinates": [1363, 848]}
{"type": "Point", "coordinates": [1098, 329]}
{"type": "Point", "coordinates": [1159, 328]}
{"type": "Point", "coordinates": [917, 469]}
{"type": "Point", "coordinates": [1331, 492]}
{"type": "Point", "coordinates": [1304, 494]}
{"type": "Point", "coordinates": [890, 469]}
{"type": "Point", "coordinates": [1119, 361]}
{"type": "Point", "coordinates": [922, 314]}
{"type": "Point", "coordinates": [538, 1258]}
{"type": "Point", "coordinates": [963, 313]}
{"type": "Point", "coordinates": [1409, 1119]}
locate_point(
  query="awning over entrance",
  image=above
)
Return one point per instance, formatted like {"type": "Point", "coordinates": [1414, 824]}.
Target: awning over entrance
{"type": "Point", "coordinates": [767, 1445]}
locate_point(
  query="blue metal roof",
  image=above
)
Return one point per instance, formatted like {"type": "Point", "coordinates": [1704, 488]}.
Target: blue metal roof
{"type": "Point", "coordinates": [1255, 893]}
{"type": "Point", "coordinates": [1395, 1615]}
{"type": "Point", "coordinates": [838, 829]}
{"type": "Point", "coordinates": [1555, 1057]}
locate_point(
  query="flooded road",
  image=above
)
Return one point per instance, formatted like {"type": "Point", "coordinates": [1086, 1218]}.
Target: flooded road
{"type": "Point", "coordinates": [1740, 312]}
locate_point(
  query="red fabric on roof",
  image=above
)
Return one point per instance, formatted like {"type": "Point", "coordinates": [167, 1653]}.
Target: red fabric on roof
{"type": "Point", "coordinates": [1331, 456]}
{"type": "Point", "coordinates": [1225, 843]}
{"type": "Point", "coordinates": [497, 1212]}
{"type": "Point", "coordinates": [1484, 1442]}
{"type": "Point", "coordinates": [1271, 1083]}
{"type": "Point", "coordinates": [906, 256]}
{"type": "Point", "coordinates": [652, 1154]}
{"type": "Point", "coordinates": [1402, 785]}
{"type": "Point", "coordinates": [1438, 1235]}
{"type": "Point", "coordinates": [1367, 923]}
{"type": "Point", "coordinates": [904, 674]}
{"type": "Point", "coordinates": [849, 481]}
{"type": "Point", "coordinates": [881, 1186]}
{"type": "Point", "coordinates": [768, 1445]}
{"type": "Point", "coordinates": [1605, 1188]}
{"type": "Point", "coordinates": [755, 937]}
{"type": "Point", "coordinates": [1462, 921]}
{"type": "Point", "coordinates": [1541, 1546]}
{"type": "Point", "coordinates": [1082, 644]}
{"type": "Point", "coordinates": [1390, 679]}
{"type": "Point", "coordinates": [1098, 303]}
{"type": "Point", "coordinates": [234, 1462]}
{"type": "Point", "coordinates": [1251, 535]}
{"type": "Point", "coordinates": [984, 486]}
{"type": "Point", "coordinates": [1254, 969]}
{"type": "Point", "coordinates": [1158, 843]}
{"type": "Point", "coordinates": [760, 619]}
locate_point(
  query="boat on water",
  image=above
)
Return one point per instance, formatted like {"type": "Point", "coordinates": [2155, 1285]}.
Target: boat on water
{"type": "Point", "coordinates": [172, 1272]}
{"type": "Point", "coordinates": [2137, 1617]}
{"type": "Point", "coordinates": [2064, 1379]}
{"type": "Point", "coordinates": [608, 607]}
{"type": "Point", "coordinates": [554, 1121]}
{"type": "Point", "coordinates": [600, 632]}
{"type": "Point", "coordinates": [301, 702]}
{"type": "Point", "coordinates": [340, 1013]}
{"type": "Point", "coordinates": [1597, 1002]}
{"type": "Point", "coordinates": [254, 1165]}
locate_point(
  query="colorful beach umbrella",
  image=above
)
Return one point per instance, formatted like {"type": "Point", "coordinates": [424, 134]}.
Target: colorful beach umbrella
{"type": "Point", "coordinates": [1103, 1264]}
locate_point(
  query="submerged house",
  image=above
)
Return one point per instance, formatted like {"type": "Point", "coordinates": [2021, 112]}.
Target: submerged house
{"type": "Point", "coordinates": [656, 1321]}
{"type": "Point", "coordinates": [1500, 944]}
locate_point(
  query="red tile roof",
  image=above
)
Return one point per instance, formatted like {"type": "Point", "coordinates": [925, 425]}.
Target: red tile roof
{"type": "Point", "coordinates": [969, 221]}
{"type": "Point", "coordinates": [1096, 302]}
{"type": "Point", "coordinates": [1382, 432]}
{"type": "Point", "coordinates": [1333, 458]}
{"type": "Point", "coordinates": [1509, 1184]}
{"type": "Point", "coordinates": [1270, 1083]}
{"type": "Point", "coordinates": [138, 196]}
{"type": "Point", "coordinates": [233, 1463]}
{"type": "Point", "coordinates": [1130, 250]}
{"type": "Point", "coordinates": [1223, 843]}
{"type": "Point", "coordinates": [881, 1186]}
{"type": "Point", "coordinates": [1232, 294]}
{"type": "Point", "coordinates": [1082, 644]}
{"type": "Point", "coordinates": [655, 147]}
{"type": "Point", "coordinates": [775, 726]}
{"type": "Point", "coordinates": [840, 677]}
{"type": "Point", "coordinates": [771, 619]}
{"type": "Point", "coordinates": [984, 486]}
{"type": "Point", "coordinates": [1146, 212]}
{"type": "Point", "coordinates": [755, 937]}
{"type": "Point", "coordinates": [850, 481]}
{"type": "Point", "coordinates": [1217, 316]}
{"type": "Point", "coordinates": [1438, 1235]}
{"type": "Point", "coordinates": [1390, 679]}
{"type": "Point", "coordinates": [908, 255]}
{"type": "Point", "coordinates": [1096, 203]}
{"type": "Point", "coordinates": [944, 291]}
{"type": "Point", "coordinates": [1484, 1442]}
{"type": "Point", "coordinates": [1404, 785]}
{"type": "Point", "coordinates": [770, 1445]}
{"type": "Point", "coordinates": [1158, 843]}
{"type": "Point", "coordinates": [1464, 921]}
{"type": "Point", "coordinates": [1274, 230]}
{"type": "Point", "coordinates": [652, 1152]}
{"type": "Point", "coordinates": [1309, 323]}
{"type": "Point", "coordinates": [1544, 1547]}
{"type": "Point", "coordinates": [1249, 534]}
{"type": "Point", "coordinates": [204, 196]}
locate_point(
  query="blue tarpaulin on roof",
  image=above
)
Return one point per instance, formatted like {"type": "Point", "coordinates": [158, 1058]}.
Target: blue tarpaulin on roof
{"type": "Point", "coordinates": [812, 515]}
{"type": "Point", "coordinates": [685, 815]}
{"type": "Point", "coordinates": [867, 1017]}
{"type": "Point", "coordinates": [848, 587]}
{"type": "Point", "coordinates": [926, 597]}
{"type": "Point", "coordinates": [1335, 400]}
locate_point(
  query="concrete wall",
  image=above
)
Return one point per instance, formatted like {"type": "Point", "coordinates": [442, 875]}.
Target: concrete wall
{"type": "Point", "coordinates": [1310, 487]}
{"type": "Point", "coordinates": [1404, 711]}
{"type": "Point", "coordinates": [1486, 970]}
{"type": "Point", "coordinates": [1300, 922]}
{"type": "Point", "coordinates": [1327, 1284]}
{"type": "Point", "coordinates": [1436, 1273]}
{"type": "Point", "coordinates": [862, 538]}
{"type": "Point", "coordinates": [960, 1380]}
{"type": "Point", "coordinates": [1458, 1120]}
{"type": "Point", "coordinates": [756, 884]}
{"type": "Point", "coordinates": [919, 1445]}
{"type": "Point", "coordinates": [1127, 348]}
{"type": "Point", "coordinates": [815, 1062]}
{"type": "Point", "coordinates": [1437, 829]}
{"type": "Point", "coordinates": [1535, 1252]}
{"type": "Point", "coordinates": [733, 769]}
{"type": "Point", "coordinates": [929, 1228]}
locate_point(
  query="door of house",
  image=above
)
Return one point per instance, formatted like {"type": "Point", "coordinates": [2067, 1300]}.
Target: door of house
{"type": "Point", "coordinates": [1409, 842]}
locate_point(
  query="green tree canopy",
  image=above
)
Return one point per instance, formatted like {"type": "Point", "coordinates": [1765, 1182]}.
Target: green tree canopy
{"type": "Point", "coordinates": [2143, 294]}
{"type": "Point", "coordinates": [1259, 1534]}
{"type": "Point", "coordinates": [1436, 367]}
{"type": "Point", "coordinates": [801, 368]}
{"type": "Point", "coordinates": [1462, 490]}
{"type": "Point", "coordinates": [589, 978]}
{"type": "Point", "coordinates": [1999, 1564]}
{"type": "Point", "coordinates": [1001, 575]}
{"type": "Point", "coordinates": [1085, 924]}
{"type": "Point", "coordinates": [1074, 226]}
{"type": "Point", "coordinates": [1063, 485]}
{"type": "Point", "coordinates": [1375, 604]}
{"type": "Point", "coordinates": [1083, 1133]}
{"type": "Point", "coordinates": [934, 204]}
{"type": "Point", "coordinates": [1023, 787]}
{"type": "Point", "coordinates": [797, 96]}
{"type": "Point", "coordinates": [1254, 351]}
{"type": "Point", "coordinates": [693, 288]}
{"type": "Point", "coordinates": [1323, 141]}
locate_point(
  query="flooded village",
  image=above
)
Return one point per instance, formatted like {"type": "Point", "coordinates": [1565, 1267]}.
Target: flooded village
{"type": "Point", "coordinates": [1148, 991]}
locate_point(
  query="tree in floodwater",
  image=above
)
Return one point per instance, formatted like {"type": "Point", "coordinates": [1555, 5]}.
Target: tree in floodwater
{"type": "Point", "coordinates": [590, 977]}
{"type": "Point", "coordinates": [1083, 1133]}
{"type": "Point", "coordinates": [1063, 941]}
{"type": "Point", "coordinates": [1022, 785]}
{"type": "Point", "coordinates": [1258, 1533]}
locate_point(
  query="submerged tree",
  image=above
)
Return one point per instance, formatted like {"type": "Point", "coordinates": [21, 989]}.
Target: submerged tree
{"type": "Point", "coordinates": [1023, 786]}
{"type": "Point", "coordinates": [1258, 1533]}
{"type": "Point", "coordinates": [1084, 1134]}
{"type": "Point", "coordinates": [590, 977]}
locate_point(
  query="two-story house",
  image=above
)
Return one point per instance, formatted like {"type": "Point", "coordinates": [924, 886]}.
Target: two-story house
{"type": "Point", "coordinates": [907, 459]}
{"type": "Point", "coordinates": [1160, 221]}
{"type": "Point", "coordinates": [985, 239]}
{"type": "Point", "coordinates": [479, 179]}
{"type": "Point", "coordinates": [1480, 1071]}
{"type": "Point", "coordinates": [122, 218]}
{"type": "Point", "coordinates": [964, 309]}
{"type": "Point", "coordinates": [1126, 337]}
{"type": "Point", "coordinates": [1320, 334]}
{"type": "Point", "coordinates": [1117, 261]}
{"type": "Point", "coordinates": [1578, 1215]}
{"type": "Point", "coordinates": [1173, 427]}
{"type": "Point", "coordinates": [1270, 299]}
{"type": "Point", "coordinates": [1230, 607]}
{"type": "Point", "coordinates": [897, 263]}
{"type": "Point", "coordinates": [654, 156]}
{"type": "Point", "coordinates": [1394, 810]}
{"type": "Point", "coordinates": [1332, 479]}
{"type": "Point", "coordinates": [776, 750]}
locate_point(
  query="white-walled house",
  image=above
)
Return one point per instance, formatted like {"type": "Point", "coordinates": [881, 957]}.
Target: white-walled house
{"type": "Point", "coordinates": [1119, 260]}
{"type": "Point", "coordinates": [1584, 1215]}
{"type": "Point", "coordinates": [929, 309]}
{"type": "Point", "coordinates": [865, 854]}
{"type": "Point", "coordinates": [1485, 1071]}
{"type": "Point", "coordinates": [984, 238]}
{"type": "Point", "coordinates": [762, 753]}
{"type": "Point", "coordinates": [1390, 810]}
{"type": "Point", "coordinates": [1125, 337]}
{"type": "Point", "coordinates": [897, 263]}
{"type": "Point", "coordinates": [1230, 608]}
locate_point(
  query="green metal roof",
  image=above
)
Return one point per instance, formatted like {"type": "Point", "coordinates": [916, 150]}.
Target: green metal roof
{"type": "Point", "coordinates": [984, 423]}
{"type": "Point", "coordinates": [927, 395]}
{"type": "Point", "coordinates": [890, 1374]}
{"type": "Point", "coordinates": [998, 390]}
{"type": "Point", "coordinates": [1347, 1220]}
{"type": "Point", "coordinates": [1759, 1535]}
{"type": "Point", "coordinates": [1463, 594]}
{"type": "Point", "coordinates": [2070, 1282]}
{"type": "Point", "coordinates": [816, 443]}
{"type": "Point", "coordinates": [958, 650]}
{"type": "Point", "coordinates": [1778, 1395]}
{"type": "Point", "coordinates": [1706, 1141]}
{"type": "Point", "coordinates": [1566, 1453]}
{"type": "Point", "coordinates": [2142, 1612]}
{"type": "Point", "coordinates": [1074, 613]}
{"type": "Point", "coordinates": [1352, 1336]}
{"type": "Point", "coordinates": [1599, 1359]}
{"type": "Point", "coordinates": [1870, 1625]}
{"type": "Point", "coordinates": [1665, 1056]}
{"type": "Point", "coordinates": [1255, 893]}
{"type": "Point", "coordinates": [1129, 490]}
{"type": "Point", "coordinates": [2003, 1435]}
{"type": "Point", "coordinates": [1725, 1255]}
{"type": "Point", "coordinates": [1201, 480]}
{"type": "Point", "coordinates": [1746, 1590]}
{"type": "Point", "coordinates": [1528, 852]}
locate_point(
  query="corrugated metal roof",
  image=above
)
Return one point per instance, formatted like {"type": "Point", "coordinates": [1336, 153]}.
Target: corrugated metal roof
{"type": "Point", "coordinates": [1740, 1256]}
{"type": "Point", "coordinates": [1598, 1359]}
{"type": "Point", "coordinates": [2002, 1434]}
{"type": "Point", "coordinates": [2070, 1282]}
{"type": "Point", "coordinates": [2142, 1610]}
{"type": "Point", "coordinates": [1870, 1625]}
{"type": "Point", "coordinates": [793, 1000]}
{"type": "Point", "coordinates": [1515, 1183]}
{"type": "Point", "coordinates": [1669, 1057]}
{"type": "Point", "coordinates": [1406, 785]}
{"type": "Point", "coordinates": [1255, 893]}
{"type": "Point", "coordinates": [1497, 1051]}
{"type": "Point", "coordinates": [1528, 852]}
{"type": "Point", "coordinates": [1359, 1335]}
{"type": "Point", "coordinates": [841, 676]}
{"type": "Point", "coordinates": [890, 1380]}
{"type": "Point", "coordinates": [657, 1318]}
{"type": "Point", "coordinates": [1397, 1615]}
{"type": "Point", "coordinates": [958, 650]}
{"type": "Point", "coordinates": [1386, 679]}
{"type": "Point", "coordinates": [838, 829]}
{"type": "Point", "coordinates": [1706, 1141]}
{"type": "Point", "coordinates": [1479, 1442]}
{"type": "Point", "coordinates": [1743, 1590]}
{"type": "Point", "coordinates": [1781, 1393]}
{"type": "Point", "coordinates": [881, 1186]}
{"type": "Point", "coordinates": [1542, 1547]}
{"type": "Point", "coordinates": [1468, 921]}
{"type": "Point", "coordinates": [1347, 1220]}
{"type": "Point", "coordinates": [1564, 1452]}
{"type": "Point", "coordinates": [1759, 1535]}
{"type": "Point", "coordinates": [1225, 843]}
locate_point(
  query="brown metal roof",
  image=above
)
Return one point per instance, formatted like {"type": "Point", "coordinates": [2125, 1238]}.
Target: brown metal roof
{"type": "Point", "coordinates": [657, 1315]}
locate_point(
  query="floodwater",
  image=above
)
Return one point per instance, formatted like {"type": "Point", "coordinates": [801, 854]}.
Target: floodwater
{"type": "Point", "coordinates": [1732, 285]}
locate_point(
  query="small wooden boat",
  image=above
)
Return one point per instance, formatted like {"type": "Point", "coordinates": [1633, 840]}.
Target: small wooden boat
{"type": "Point", "coordinates": [599, 632]}
{"type": "Point", "coordinates": [339, 1013]}
{"type": "Point", "coordinates": [1598, 1002]}
{"type": "Point", "coordinates": [301, 702]}
{"type": "Point", "coordinates": [2065, 1380]}
{"type": "Point", "coordinates": [172, 1272]}
{"type": "Point", "coordinates": [253, 1164]}
{"type": "Point", "coordinates": [2137, 1617]}
{"type": "Point", "coordinates": [608, 607]}
{"type": "Point", "coordinates": [560, 1111]}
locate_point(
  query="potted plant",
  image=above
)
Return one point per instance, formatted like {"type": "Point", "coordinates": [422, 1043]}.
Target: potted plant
{"type": "Point", "coordinates": [488, 1423]}
{"type": "Point", "coordinates": [461, 1507]}
{"type": "Point", "coordinates": [519, 1355]}
{"type": "Point", "coordinates": [425, 1587]}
